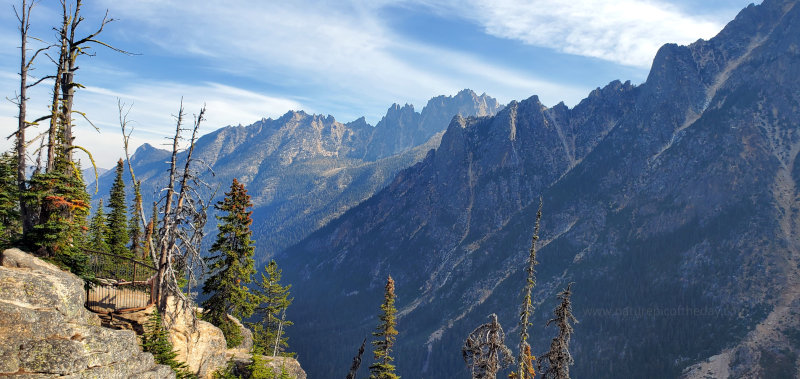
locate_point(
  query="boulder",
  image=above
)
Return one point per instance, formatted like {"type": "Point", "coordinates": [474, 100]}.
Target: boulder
{"type": "Point", "coordinates": [198, 343]}
{"type": "Point", "coordinates": [242, 360]}
{"type": "Point", "coordinates": [45, 331]}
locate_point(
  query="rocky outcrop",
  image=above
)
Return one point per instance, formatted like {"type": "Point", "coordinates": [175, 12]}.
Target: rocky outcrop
{"type": "Point", "coordinates": [45, 331]}
{"type": "Point", "coordinates": [277, 364]}
{"type": "Point", "coordinates": [198, 343]}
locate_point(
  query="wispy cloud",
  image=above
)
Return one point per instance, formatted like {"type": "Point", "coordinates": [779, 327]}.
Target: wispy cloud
{"type": "Point", "coordinates": [623, 31]}
{"type": "Point", "coordinates": [345, 48]}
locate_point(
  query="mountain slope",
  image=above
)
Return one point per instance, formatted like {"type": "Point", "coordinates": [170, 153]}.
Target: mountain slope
{"type": "Point", "coordinates": [671, 205]}
{"type": "Point", "coordinates": [303, 170]}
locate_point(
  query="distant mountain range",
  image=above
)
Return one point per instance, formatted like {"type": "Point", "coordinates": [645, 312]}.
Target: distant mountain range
{"type": "Point", "coordinates": [303, 170]}
{"type": "Point", "coordinates": [672, 206]}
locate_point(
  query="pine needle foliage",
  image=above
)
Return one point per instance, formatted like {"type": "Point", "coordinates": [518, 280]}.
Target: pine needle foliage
{"type": "Point", "coordinates": [558, 359]}
{"type": "Point", "coordinates": [138, 246]}
{"type": "Point", "coordinates": [60, 195]}
{"type": "Point", "coordinates": [117, 238]}
{"type": "Point", "coordinates": [10, 224]}
{"type": "Point", "coordinates": [98, 230]}
{"type": "Point", "coordinates": [231, 265]}
{"type": "Point", "coordinates": [273, 299]}
{"type": "Point", "coordinates": [386, 333]}
{"type": "Point", "coordinates": [156, 341]}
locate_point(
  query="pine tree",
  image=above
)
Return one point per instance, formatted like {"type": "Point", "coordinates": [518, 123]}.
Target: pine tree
{"type": "Point", "coordinates": [117, 237]}
{"type": "Point", "coordinates": [558, 358]}
{"type": "Point", "coordinates": [98, 230]}
{"type": "Point", "coordinates": [232, 267]}
{"type": "Point", "coordinates": [138, 248]}
{"type": "Point", "coordinates": [156, 341]}
{"type": "Point", "coordinates": [387, 334]}
{"type": "Point", "coordinates": [272, 299]}
{"type": "Point", "coordinates": [10, 225]}
{"type": "Point", "coordinates": [63, 205]}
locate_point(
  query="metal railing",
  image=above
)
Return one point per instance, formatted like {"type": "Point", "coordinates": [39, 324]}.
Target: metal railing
{"type": "Point", "coordinates": [123, 283]}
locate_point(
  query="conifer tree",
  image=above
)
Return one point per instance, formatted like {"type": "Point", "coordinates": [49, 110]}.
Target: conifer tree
{"type": "Point", "coordinates": [63, 205]}
{"type": "Point", "coordinates": [558, 359]}
{"type": "Point", "coordinates": [232, 265]}
{"type": "Point", "coordinates": [156, 341]}
{"type": "Point", "coordinates": [10, 225]}
{"type": "Point", "coordinates": [138, 247]}
{"type": "Point", "coordinates": [117, 237]}
{"type": "Point", "coordinates": [387, 334]}
{"type": "Point", "coordinates": [98, 230]}
{"type": "Point", "coordinates": [272, 299]}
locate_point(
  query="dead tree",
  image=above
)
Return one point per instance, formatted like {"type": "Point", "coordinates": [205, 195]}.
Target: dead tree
{"type": "Point", "coordinates": [356, 361]}
{"type": "Point", "coordinates": [558, 359]}
{"type": "Point", "coordinates": [21, 101]}
{"type": "Point", "coordinates": [70, 47]}
{"type": "Point", "coordinates": [523, 359]}
{"type": "Point", "coordinates": [177, 245]}
{"type": "Point", "coordinates": [174, 246]}
{"type": "Point", "coordinates": [485, 351]}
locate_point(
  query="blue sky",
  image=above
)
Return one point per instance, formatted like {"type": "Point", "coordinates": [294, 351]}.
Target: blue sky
{"type": "Point", "coordinates": [349, 58]}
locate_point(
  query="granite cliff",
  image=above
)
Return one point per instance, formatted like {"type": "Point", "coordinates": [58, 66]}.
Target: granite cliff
{"type": "Point", "coordinates": [45, 331]}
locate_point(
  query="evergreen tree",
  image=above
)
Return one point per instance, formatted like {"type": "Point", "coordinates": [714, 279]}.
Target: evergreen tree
{"type": "Point", "coordinates": [98, 230]}
{"type": "Point", "coordinates": [138, 247]}
{"type": "Point", "coordinates": [387, 334]}
{"type": "Point", "coordinates": [10, 225]}
{"type": "Point", "coordinates": [273, 299]}
{"type": "Point", "coordinates": [558, 358]}
{"type": "Point", "coordinates": [117, 237]}
{"type": "Point", "coordinates": [156, 341]}
{"type": "Point", "coordinates": [232, 265]}
{"type": "Point", "coordinates": [63, 205]}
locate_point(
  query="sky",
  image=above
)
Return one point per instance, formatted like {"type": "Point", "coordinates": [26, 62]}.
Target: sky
{"type": "Point", "coordinates": [247, 60]}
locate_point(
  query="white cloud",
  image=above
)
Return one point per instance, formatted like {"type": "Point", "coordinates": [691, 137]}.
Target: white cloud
{"type": "Point", "coordinates": [345, 48]}
{"type": "Point", "coordinates": [623, 31]}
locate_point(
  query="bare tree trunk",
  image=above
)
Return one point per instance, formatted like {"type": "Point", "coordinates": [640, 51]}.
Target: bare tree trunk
{"type": "Point", "coordinates": [356, 361]}
{"type": "Point", "coordinates": [166, 221]}
{"type": "Point", "coordinates": [24, 20]}
{"type": "Point", "coordinates": [55, 105]}
{"type": "Point", "coordinates": [278, 335]}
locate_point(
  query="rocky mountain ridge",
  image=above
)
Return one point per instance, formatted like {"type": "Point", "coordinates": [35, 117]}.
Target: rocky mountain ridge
{"type": "Point", "coordinates": [672, 206]}
{"type": "Point", "coordinates": [303, 170]}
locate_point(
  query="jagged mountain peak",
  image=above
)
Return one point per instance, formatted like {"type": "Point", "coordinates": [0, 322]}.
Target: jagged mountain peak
{"type": "Point", "coordinates": [675, 197]}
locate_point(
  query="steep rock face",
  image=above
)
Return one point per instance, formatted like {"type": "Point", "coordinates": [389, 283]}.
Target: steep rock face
{"type": "Point", "coordinates": [427, 228]}
{"type": "Point", "coordinates": [671, 205]}
{"type": "Point", "coordinates": [45, 331]}
{"type": "Point", "coordinates": [303, 170]}
{"type": "Point", "coordinates": [198, 343]}
{"type": "Point", "coordinates": [402, 128]}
